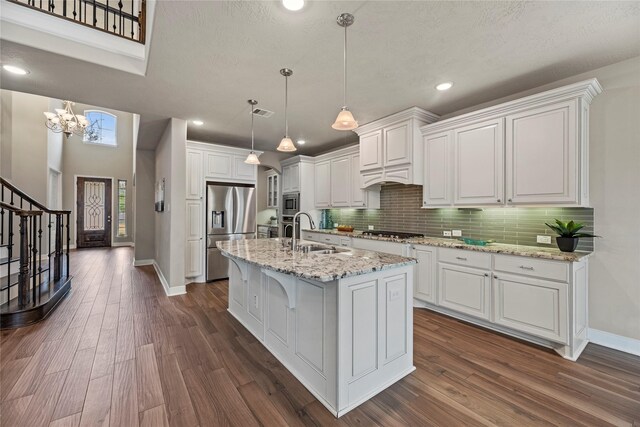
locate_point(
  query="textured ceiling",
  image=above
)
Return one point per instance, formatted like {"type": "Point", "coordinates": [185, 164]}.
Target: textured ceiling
{"type": "Point", "coordinates": [208, 57]}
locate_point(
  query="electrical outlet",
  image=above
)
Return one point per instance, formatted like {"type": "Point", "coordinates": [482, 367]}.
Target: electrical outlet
{"type": "Point", "coordinates": [456, 233]}
{"type": "Point", "coordinates": [543, 239]}
{"type": "Point", "coordinates": [371, 227]}
{"type": "Point", "coordinates": [446, 233]}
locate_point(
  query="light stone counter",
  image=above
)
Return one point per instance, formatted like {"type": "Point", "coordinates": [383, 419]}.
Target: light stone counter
{"type": "Point", "coordinates": [496, 248]}
{"type": "Point", "coordinates": [269, 253]}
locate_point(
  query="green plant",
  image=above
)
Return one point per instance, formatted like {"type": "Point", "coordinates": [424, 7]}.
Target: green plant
{"type": "Point", "coordinates": [569, 229]}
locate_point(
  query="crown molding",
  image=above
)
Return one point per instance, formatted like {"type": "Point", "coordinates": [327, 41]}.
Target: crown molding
{"type": "Point", "coordinates": [421, 115]}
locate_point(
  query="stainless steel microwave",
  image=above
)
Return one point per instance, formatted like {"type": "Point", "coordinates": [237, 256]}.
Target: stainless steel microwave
{"type": "Point", "coordinates": [290, 204]}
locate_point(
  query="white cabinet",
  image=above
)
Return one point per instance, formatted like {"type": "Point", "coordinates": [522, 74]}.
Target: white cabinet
{"type": "Point", "coordinates": [273, 192]}
{"type": "Point", "coordinates": [391, 148]}
{"type": "Point", "coordinates": [194, 248]}
{"type": "Point", "coordinates": [243, 171]}
{"type": "Point", "coordinates": [531, 151]}
{"type": "Point", "coordinates": [195, 177]}
{"type": "Point", "coordinates": [340, 182]}
{"type": "Point", "coordinates": [479, 164]}
{"type": "Point", "coordinates": [291, 178]}
{"type": "Point", "coordinates": [425, 279]}
{"type": "Point", "coordinates": [437, 170]}
{"type": "Point", "coordinates": [228, 166]}
{"type": "Point", "coordinates": [371, 150]}
{"type": "Point", "coordinates": [322, 183]}
{"type": "Point", "coordinates": [397, 144]}
{"type": "Point", "coordinates": [542, 155]}
{"type": "Point", "coordinates": [380, 246]}
{"type": "Point", "coordinates": [535, 306]}
{"type": "Point", "coordinates": [464, 289]}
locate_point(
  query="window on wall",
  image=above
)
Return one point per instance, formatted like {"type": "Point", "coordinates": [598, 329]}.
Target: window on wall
{"type": "Point", "coordinates": [122, 208]}
{"type": "Point", "coordinates": [102, 128]}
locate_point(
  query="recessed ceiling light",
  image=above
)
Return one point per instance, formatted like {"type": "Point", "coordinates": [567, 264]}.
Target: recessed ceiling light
{"type": "Point", "coordinates": [444, 86]}
{"type": "Point", "coordinates": [293, 4]}
{"type": "Point", "coordinates": [301, 142]}
{"type": "Point", "coordinates": [197, 122]}
{"type": "Point", "coordinates": [15, 70]}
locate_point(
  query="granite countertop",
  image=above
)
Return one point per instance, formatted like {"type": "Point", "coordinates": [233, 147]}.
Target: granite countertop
{"type": "Point", "coordinates": [269, 253]}
{"type": "Point", "coordinates": [496, 248]}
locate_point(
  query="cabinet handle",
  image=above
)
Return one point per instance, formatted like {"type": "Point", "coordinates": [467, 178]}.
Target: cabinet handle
{"type": "Point", "coordinates": [524, 267]}
{"type": "Point", "coordinates": [486, 274]}
{"type": "Point", "coordinates": [461, 258]}
{"type": "Point", "coordinates": [495, 277]}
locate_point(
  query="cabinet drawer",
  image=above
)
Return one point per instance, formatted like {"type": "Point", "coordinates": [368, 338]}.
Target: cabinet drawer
{"type": "Point", "coordinates": [466, 258]}
{"type": "Point", "coordinates": [329, 239]}
{"type": "Point", "coordinates": [345, 241]}
{"type": "Point", "coordinates": [534, 267]}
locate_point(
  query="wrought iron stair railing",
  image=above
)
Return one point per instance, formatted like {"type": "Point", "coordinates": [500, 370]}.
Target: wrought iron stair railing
{"type": "Point", "coordinates": [34, 257]}
{"type": "Point", "coordinates": [111, 16]}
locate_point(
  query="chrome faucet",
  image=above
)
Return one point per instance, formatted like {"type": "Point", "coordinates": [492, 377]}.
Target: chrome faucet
{"type": "Point", "coordinates": [295, 217]}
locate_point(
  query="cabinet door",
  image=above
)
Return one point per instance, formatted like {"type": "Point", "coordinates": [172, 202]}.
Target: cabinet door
{"type": "Point", "coordinates": [218, 165]}
{"type": "Point", "coordinates": [194, 220]}
{"type": "Point", "coordinates": [291, 178]}
{"type": "Point", "coordinates": [322, 183]}
{"type": "Point", "coordinates": [479, 163]}
{"type": "Point", "coordinates": [371, 150]}
{"type": "Point", "coordinates": [193, 262]}
{"type": "Point", "coordinates": [542, 152]}
{"type": "Point", "coordinates": [397, 142]}
{"type": "Point", "coordinates": [424, 287]}
{"type": "Point", "coordinates": [537, 307]}
{"type": "Point", "coordinates": [358, 195]}
{"type": "Point", "coordinates": [275, 182]}
{"type": "Point", "coordinates": [242, 170]}
{"type": "Point", "coordinates": [195, 179]}
{"type": "Point", "coordinates": [340, 177]}
{"type": "Point", "coordinates": [436, 190]}
{"type": "Point", "coordinates": [464, 289]}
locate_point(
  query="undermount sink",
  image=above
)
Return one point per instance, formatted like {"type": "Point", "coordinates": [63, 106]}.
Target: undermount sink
{"type": "Point", "coordinates": [329, 251]}
{"type": "Point", "coordinates": [320, 249]}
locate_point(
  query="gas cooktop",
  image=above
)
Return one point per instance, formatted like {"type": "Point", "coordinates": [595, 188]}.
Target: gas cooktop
{"type": "Point", "coordinates": [391, 234]}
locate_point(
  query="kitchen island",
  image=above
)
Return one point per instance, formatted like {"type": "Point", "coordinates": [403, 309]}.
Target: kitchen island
{"type": "Point", "coordinates": [339, 319]}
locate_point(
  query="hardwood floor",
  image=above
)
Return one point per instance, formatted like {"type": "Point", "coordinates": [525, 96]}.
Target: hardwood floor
{"type": "Point", "coordinates": [119, 352]}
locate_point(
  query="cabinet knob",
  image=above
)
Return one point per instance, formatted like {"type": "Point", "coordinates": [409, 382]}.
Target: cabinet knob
{"type": "Point", "coordinates": [499, 201]}
{"type": "Point", "coordinates": [495, 277]}
{"type": "Point", "coordinates": [486, 274]}
{"type": "Point", "coordinates": [424, 203]}
{"type": "Point", "coordinates": [509, 200]}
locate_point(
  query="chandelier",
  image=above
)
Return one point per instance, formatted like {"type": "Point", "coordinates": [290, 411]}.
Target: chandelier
{"type": "Point", "coordinates": [66, 121]}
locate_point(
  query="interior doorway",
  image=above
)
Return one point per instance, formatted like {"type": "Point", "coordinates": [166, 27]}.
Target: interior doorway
{"type": "Point", "coordinates": [93, 203]}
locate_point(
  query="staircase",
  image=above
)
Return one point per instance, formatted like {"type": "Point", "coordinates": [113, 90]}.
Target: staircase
{"type": "Point", "coordinates": [34, 257]}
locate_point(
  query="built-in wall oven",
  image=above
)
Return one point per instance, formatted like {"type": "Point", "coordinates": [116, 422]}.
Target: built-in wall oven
{"type": "Point", "coordinates": [290, 204]}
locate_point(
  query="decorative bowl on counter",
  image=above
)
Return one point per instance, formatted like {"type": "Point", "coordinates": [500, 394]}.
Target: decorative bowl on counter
{"type": "Point", "coordinates": [345, 228]}
{"type": "Point", "coordinates": [476, 242]}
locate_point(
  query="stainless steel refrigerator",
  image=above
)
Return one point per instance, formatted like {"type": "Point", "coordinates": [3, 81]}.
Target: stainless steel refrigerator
{"type": "Point", "coordinates": [231, 215]}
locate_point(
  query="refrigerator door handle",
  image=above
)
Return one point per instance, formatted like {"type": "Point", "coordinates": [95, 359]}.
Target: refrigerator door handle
{"type": "Point", "coordinates": [236, 214]}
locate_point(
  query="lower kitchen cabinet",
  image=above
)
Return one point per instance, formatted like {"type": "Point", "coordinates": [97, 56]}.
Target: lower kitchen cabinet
{"type": "Point", "coordinates": [465, 289]}
{"type": "Point", "coordinates": [194, 254]}
{"type": "Point", "coordinates": [424, 288]}
{"type": "Point", "coordinates": [537, 307]}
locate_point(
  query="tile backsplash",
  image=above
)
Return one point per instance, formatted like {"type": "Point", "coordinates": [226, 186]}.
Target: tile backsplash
{"type": "Point", "coordinates": [400, 210]}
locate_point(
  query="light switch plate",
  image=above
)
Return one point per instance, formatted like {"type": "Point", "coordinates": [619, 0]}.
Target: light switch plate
{"type": "Point", "coordinates": [456, 233]}
{"type": "Point", "coordinates": [543, 239]}
{"type": "Point", "coordinates": [371, 227]}
{"type": "Point", "coordinates": [446, 233]}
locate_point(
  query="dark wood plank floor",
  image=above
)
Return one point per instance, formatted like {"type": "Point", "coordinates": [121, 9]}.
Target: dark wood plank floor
{"type": "Point", "coordinates": [119, 352]}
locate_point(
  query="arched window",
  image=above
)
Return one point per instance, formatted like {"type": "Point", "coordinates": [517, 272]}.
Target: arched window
{"type": "Point", "coordinates": [102, 129]}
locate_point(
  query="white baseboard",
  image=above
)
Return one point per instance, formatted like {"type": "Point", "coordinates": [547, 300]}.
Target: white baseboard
{"type": "Point", "coordinates": [72, 247]}
{"type": "Point", "coordinates": [118, 244]}
{"type": "Point", "coordinates": [141, 262]}
{"type": "Point", "coordinates": [169, 290]}
{"type": "Point", "coordinates": [616, 342]}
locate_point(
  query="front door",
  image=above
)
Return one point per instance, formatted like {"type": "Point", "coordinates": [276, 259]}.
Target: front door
{"type": "Point", "coordinates": [94, 212]}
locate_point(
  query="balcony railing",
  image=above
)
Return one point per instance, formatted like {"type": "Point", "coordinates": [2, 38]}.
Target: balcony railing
{"type": "Point", "coordinates": [117, 17]}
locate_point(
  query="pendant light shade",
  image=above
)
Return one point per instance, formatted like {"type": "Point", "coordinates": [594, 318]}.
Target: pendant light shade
{"type": "Point", "coordinates": [252, 158]}
{"type": "Point", "coordinates": [286, 144]}
{"type": "Point", "coordinates": [345, 120]}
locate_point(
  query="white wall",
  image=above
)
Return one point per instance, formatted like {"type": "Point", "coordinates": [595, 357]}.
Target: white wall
{"type": "Point", "coordinates": [614, 269]}
{"type": "Point", "coordinates": [144, 210]}
{"type": "Point", "coordinates": [170, 165]}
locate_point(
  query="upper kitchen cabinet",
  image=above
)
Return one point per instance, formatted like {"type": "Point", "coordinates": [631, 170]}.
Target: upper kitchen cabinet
{"type": "Point", "coordinates": [391, 148]}
{"type": "Point", "coordinates": [218, 163]}
{"type": "Point", "coordinates": [533, 151]}
{"type": "Point", "coordinates": [338, 181]}
{"type": "Point", "coordinates": [291, 178]}
{"type": "Point", "coordinates": [273, 189]}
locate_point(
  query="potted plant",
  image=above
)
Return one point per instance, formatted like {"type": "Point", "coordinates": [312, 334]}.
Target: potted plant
{"type": "Point", "coordinates": [274, 220]}
{"type": "Point", "coordinates": [568, 234]}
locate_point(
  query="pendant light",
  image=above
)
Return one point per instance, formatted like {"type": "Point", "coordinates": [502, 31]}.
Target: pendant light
{"type": "Point", "coordinates": [345, 120]}
{"type": "Point", "coordinates": [252, 158]}
{"type": "Point", "coordinates": [286, 144]}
